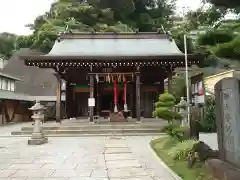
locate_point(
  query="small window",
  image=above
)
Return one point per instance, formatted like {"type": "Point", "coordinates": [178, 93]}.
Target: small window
{"type": "Point", "coordinates": [9, 85]}
{"type": "Point", "coordinates": [4, 84]}
{"type": "Point", "coordinates": [12, 86]}
{"type": "Point", "coordinates": [63, 88]}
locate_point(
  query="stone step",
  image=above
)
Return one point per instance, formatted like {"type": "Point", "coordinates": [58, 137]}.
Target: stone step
{"type": "Point", "coordinates": [92, 131]}
{"type": "Point", "coordinates": [97, 127]}
{"type": "Point", "coordinates": [89, 135]}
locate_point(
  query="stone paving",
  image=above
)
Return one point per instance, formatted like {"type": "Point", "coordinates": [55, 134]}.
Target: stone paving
{"type": "Point", "coordinates": [80, 158]}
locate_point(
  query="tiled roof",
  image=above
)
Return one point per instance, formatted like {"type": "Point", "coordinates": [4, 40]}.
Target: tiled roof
{"type": "Point", "coordinates": [25, 97]}
{"type": "Point", "coordinates": [35, 81]}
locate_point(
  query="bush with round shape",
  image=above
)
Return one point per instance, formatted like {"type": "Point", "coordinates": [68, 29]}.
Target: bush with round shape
{"type": "Point", "coordinates": [164, 108]}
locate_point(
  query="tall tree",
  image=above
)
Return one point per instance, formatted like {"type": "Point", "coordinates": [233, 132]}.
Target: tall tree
{"type": "Point", "coordinates": [71, 15]}
{"type": "Point", "coordinates": [7, 45]}
{"type": "Point", "coordinates": [228, 4]}
{"type": "Point", "coordinates": [94, 15]}
{"type": "Point", "coordinates": [144, 15]}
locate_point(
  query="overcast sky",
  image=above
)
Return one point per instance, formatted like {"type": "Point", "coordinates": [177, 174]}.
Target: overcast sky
{"type": "Point", "coordinates": [15, 14]}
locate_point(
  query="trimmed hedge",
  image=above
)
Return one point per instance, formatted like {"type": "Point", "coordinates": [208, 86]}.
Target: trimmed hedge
{"type": "Point", "coordinates": [215, 37]}
{"type": "Point", "coordinates": [228, 50]}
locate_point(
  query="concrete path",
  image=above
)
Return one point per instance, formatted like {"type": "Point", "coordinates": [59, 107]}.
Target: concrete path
{"type": "Point", "coordinates": [85, 158]}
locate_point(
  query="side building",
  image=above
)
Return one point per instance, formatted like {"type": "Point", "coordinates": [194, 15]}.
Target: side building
{"type": "Point", "coordinates": [28, 84]}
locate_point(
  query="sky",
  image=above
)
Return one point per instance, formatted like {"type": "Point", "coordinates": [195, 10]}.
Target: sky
{"type": "Point", "coordinates": [15, 14]}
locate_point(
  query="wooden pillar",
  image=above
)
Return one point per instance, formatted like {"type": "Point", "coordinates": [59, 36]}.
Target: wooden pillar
{"type": "Point", "coordinates": [170, 82]}
{"type": "Point", "coordinates": [68, 99]}
{"type": "Point", "coordinates": [91, 109]}
{"type": "Point", "coordinates": [98, 99]}
{"type": "Point", "coordinates": [138, 113]}
{"type": "Point", "coordinates": [58, 98]}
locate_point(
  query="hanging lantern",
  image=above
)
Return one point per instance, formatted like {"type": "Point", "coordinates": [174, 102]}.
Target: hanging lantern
{"type": "Point", "coordinates": [108, 78]}
{"type": "Point", "coordinates": [119, 78]}
{"type": "Point", "coordinates": [97, 78]}
{"type": "Point", "coordinates": [125, 95]}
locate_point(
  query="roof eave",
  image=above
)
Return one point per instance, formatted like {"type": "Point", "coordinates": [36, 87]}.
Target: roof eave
{"type": "Point", "coordinates": [109, 58]}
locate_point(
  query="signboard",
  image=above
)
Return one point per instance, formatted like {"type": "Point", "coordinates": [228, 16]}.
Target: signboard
{"type": "Point", "coordinates": [91, 102]}
{"type": "Point", "coordinates": [197, 89]}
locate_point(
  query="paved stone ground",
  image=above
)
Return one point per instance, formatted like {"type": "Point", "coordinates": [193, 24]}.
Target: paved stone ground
{"type": "Point", "coordinates": [80, 158]}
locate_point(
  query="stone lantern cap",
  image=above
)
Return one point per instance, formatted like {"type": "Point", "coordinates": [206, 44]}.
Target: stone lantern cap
{"type": "Point", "coordinates": [182, 104]}
{"type": "Point", "coordinates": [37, 107]}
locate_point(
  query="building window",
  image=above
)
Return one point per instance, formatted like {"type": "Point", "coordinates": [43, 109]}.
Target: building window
{"type": "Point", "coordinates": [4, 84]}
{"type": "Point", "coordinates": [12, 86]}
{"type": "Point", "coordinates": [63, 88]}
{"type": "Point", "coordinates": [9, 85]}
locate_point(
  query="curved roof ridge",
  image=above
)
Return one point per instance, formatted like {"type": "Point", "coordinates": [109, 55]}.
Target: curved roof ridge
{"type": "Point", "coordinates": [114, 35]}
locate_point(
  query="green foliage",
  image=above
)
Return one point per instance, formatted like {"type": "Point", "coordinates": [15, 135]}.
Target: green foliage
{"type": "Point", "coordinates": [167, 98]}
{"type": "Point", "coordinates": [178, 87]}
{"type": "Point", "coordinates": [229, 50]}
{"type": "Point", "coordinates": [163, 146]}
{"type": "Point", "coordinates": [72, 16]}
{"type": "Point", "coordinates": [182, 150]}
{"type": "Point", "coordinates": [204, 16]}
{"type": "Point", "coordinates": [228, 4]}
{"type": "Point", "coordinates": [215, 37]}
{"type": "Point", "coordinates": [208, 124]}
{"type": "Point", "coordinates": [179, 39]}
{"type": "Point", "coordinates": [95, 15]}
{"type": "Point", "coordinates": [7, 45]}
{"type": "Point", "coordinates": [175, 131]}
{"type": "Point", "coordinates": [164, 108]}
{"type": "Point", "coordinates": [230, 25]}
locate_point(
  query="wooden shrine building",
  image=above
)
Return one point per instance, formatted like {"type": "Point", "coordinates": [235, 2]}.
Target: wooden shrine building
{"type": "Point", "coordinates": [112, 72]}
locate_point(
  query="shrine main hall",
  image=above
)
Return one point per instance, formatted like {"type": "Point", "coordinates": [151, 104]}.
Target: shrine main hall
{"type": "Point", "coordinates": [113, 75]}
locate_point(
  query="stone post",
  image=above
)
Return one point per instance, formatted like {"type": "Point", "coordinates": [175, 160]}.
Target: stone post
{"type": "Point", "coordinates": [38, 137]}
{"type": "Point", "coordinates": [183, 111]}
{"type": "Point", "coordinates": [170, 82]}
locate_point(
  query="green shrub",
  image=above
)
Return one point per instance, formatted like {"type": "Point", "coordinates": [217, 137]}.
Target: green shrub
{"type": "Point", "coordinates": [169, 127]}
{"type": "Point", "coordinates": [228, 50]}
{"type": "Point", "coordinates": [175, 131]}
{"type": "Point", "coordinates": [208, 124]}
{"type": "Point", "coordinates": [164, 108]}
{"type": "Point", "coordinates": [215, 37]}
{"type": "Point", "coordinates": [182, 150]}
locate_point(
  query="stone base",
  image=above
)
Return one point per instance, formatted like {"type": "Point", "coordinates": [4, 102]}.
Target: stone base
{"type": "Point", "coordinates": [37, 141]}
{"type": "Point", "coordinates": [117, 117]}
{"type": "Point", "coordinates": [222, 171]}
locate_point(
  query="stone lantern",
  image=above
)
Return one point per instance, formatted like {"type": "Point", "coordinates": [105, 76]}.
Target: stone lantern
{"type": "Point", "coordinates": [183, 105]}
{"type": "Point", "coordinates": [38, 137]}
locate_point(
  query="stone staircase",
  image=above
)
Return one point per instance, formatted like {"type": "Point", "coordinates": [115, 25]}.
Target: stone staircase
{"type": "Point", "coordinates": [86, 129]}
